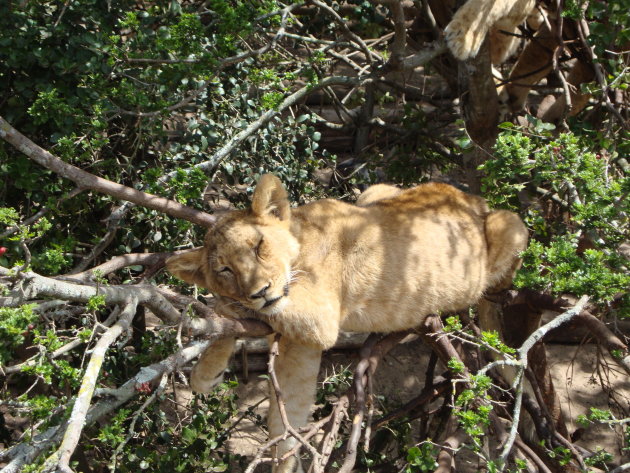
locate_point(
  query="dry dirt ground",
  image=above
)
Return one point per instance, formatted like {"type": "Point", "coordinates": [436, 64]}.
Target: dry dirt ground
{"type": "Point", "coordinates": [401, 376]}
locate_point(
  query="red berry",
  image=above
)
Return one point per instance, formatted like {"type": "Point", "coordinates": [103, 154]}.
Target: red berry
{"type": "Point", "coordinates": [3, 250]}
{"type": "Point", "coordinates": [144, 388]}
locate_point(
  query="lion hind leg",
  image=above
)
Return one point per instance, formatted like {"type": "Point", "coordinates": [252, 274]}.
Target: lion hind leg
{"type": "Point", "coordinates": [507, 237]}
{"type": "Point", "coordinates": [208, 371]}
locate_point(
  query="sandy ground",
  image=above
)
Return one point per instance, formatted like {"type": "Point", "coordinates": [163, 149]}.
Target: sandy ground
{"type": "Point", "coordinates": [401, 376]}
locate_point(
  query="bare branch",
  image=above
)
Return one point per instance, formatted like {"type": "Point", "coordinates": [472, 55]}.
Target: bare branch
{"type": "Point", "coordinates": [273, 354]}
{"type": "Point", "coordinates": [347, 31]}
{"type": "Point", "coordinates": [535, 337]}
{"type": "Point", "coordinates": [61, 458]}
{"type": "Point", "coordinates": [617, 349]}
{"type": "Point", "coordinates": [123, 261]}
{"type": "Point", "coordinates": [621, 468]}
{"type": "Point", "coordinates": [371, 353]}
{"type": "Point", "coordinates": [400, 31]}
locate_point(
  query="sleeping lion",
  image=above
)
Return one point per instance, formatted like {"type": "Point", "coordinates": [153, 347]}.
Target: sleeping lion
{"type": "Point", "coordinates": [313, 270]}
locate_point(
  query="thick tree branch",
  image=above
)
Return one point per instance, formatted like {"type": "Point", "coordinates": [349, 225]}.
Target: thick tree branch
{"type": "Point", "coordinates": [152, 297]}
{"type": "Point", "coordinates": [85, 180]}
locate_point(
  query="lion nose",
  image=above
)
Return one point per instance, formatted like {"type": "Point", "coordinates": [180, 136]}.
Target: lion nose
{"type": "Point", "coordinates": [261, 293]}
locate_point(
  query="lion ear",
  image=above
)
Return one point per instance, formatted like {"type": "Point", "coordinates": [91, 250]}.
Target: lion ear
{"type": "Point", "coordinates": [188, 266]}
{"type": "Point", "coordinates": [270, 198]}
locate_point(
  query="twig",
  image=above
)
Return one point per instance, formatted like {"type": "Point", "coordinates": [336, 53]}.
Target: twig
{"type": "Point", "coordinates": [603, 334]}
{"type": "Point", "coordinates": [99, 327]}
{"type": "Point", "coordinates": [582, 28]}
{"type": "Point", "coordinates": [273, 354]}
{"type": "Point", "coordinates": [534, 338]}
{"type": "Point", "coordinates": [27, 258]}
{"type": "Point", "coordinates": [131, 430]}
{"type": "Point", "coordinates": [334, 423]}
{"type": "Point", "coordinates": [371, 353]}
{"type": "Point", "coordinates": [532, 455]}
{"type": "Point", "coordinates": [400, 30]}
{"type": "Point", "coordinates": [43, 211]}
{"type": "Point", "coordinates": [446, 458]}
{"type": "Point", "coordinates": [105, 241]}
{"type": "Point", "coordinates": [347, 31]}
{"type": "Point", "coordinates": [621, 468]}
{"type": "Point", "coordinates": [123, 261]}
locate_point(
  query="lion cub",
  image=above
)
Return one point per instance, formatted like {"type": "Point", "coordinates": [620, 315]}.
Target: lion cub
{"type": "Point", "coordinates": [327, 266]}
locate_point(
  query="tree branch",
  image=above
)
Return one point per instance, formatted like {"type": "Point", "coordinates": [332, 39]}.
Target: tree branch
{"type": "Point", "coordinates": [123, 261]}
{"type": "Point", "coordinates": [61, 458]}
{"type": "Point", "coordinates": [85, 180]}
{"type": "Point", "coordinates": [154, 298]}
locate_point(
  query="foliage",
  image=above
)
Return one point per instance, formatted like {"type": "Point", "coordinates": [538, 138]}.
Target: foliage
{"type": "Point", "coordinates": [421, 458]}
{"type": "Point", "coordinates": [576, 231]}
{"type": "Point", "coordinates": [15, 325]}
{"type": "Point", "coordinates": [95, 82]}
{"type": "Point", "coordinates": [156, 444]}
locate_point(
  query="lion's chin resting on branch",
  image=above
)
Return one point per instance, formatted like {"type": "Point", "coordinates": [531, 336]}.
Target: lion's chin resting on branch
{"type": "Point", "coordinates": [380, 266]}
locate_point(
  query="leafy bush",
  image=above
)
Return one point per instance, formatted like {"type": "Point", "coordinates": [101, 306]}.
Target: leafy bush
{"type": "Point", "coordinates": [576, 206]}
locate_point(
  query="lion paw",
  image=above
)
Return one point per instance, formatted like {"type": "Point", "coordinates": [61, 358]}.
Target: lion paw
{"type": "Point", "coordinates": [203, 385]}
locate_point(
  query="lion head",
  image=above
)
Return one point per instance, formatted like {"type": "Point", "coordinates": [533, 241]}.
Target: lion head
{"type": "Point", "coordinates": [247, 255]}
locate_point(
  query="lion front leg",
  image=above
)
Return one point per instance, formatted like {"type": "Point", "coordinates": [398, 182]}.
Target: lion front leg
{"type": "Point", "coordinates": [208, 371]}
{"type": "Point", "coordinates": [296, 369]}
